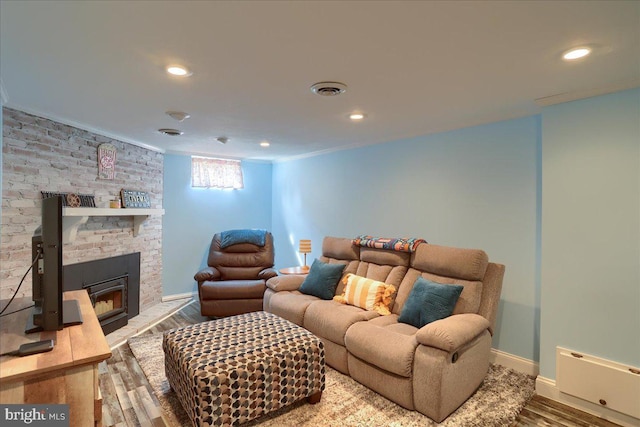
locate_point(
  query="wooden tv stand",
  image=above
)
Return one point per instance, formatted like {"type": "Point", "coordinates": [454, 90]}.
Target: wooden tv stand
{"type": "Point", "coordinates": [68, 374]}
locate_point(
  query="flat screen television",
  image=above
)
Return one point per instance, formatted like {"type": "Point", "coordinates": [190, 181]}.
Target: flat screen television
{"type": "Point", "coordinates": [50, 312]}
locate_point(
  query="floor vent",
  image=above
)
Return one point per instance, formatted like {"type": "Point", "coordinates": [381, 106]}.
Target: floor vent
{"type": "Point", "coordinates": [600, 381]}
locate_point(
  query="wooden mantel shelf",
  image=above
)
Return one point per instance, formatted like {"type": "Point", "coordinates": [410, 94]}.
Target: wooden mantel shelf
{"type": "Point", "coordinates": [74, 217]}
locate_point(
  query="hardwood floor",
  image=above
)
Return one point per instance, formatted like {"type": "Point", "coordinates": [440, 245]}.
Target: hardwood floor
{"type": "Point", "coordinates": [128, 400]}
{"type": "Point", "coordinates": [541, 411]}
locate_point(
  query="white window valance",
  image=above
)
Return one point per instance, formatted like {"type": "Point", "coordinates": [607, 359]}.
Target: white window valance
{"type": "Point", "coordinates": [208, 172]}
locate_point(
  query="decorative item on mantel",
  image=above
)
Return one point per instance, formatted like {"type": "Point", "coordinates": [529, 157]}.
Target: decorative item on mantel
{"type": "Point", "coordinates": [135, 199]}
{"type": "Point", "coordinates": [72, 200]}
{"type": "Point", "coordinates": [115, 203]}
{"type": "Point", "coordinates": [106, 161]}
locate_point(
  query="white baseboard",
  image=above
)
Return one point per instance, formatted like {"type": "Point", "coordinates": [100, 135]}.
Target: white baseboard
{"type": "Point", "coordinates": [546, 387]}
{"type": "Point", "coordinates": [514, 362]}
{"type": "Point", "coordinates": [179, 296]}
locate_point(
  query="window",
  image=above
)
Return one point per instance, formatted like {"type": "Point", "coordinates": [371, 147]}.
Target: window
{"type": "Point", "coordinates": [208, 172]}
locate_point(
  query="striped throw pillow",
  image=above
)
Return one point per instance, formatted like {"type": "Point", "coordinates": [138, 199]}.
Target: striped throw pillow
{"type": "Point", "coordinates": [366, 293]}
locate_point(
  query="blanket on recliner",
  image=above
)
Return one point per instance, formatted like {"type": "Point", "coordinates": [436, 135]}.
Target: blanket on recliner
{"type": "Point", "coordinates": [234, 237]}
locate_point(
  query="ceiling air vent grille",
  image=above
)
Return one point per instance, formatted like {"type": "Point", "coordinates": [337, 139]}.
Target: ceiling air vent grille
{"type": "Point", "coordinates": [328, 88]}
{"type": "Point", "coordinates": [170, 132]}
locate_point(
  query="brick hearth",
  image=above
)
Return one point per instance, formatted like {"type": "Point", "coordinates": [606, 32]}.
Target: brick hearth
{"type": "Point", "coordinates": [146, 320]}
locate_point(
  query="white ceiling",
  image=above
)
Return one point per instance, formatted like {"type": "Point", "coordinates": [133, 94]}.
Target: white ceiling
{"type": "Point", "coordinates": [412, 67]}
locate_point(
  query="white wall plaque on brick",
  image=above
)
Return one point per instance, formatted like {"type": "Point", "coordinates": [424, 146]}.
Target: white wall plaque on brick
{"type": "Point", "coordinates": [106, 161]}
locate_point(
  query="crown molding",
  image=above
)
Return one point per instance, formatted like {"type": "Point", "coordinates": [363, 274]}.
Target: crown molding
{"type": "Point", "coordinates": [561, 98]}
{"type": "Point", "coordinates": [325, 151]}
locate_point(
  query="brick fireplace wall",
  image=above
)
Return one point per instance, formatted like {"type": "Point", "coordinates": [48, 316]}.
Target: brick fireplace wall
{"type": "Point", "coordinates": [43, 155]}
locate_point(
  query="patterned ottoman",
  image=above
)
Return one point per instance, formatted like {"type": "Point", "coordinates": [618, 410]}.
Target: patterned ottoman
{"type": "Point", "coordinates": [231, 370]}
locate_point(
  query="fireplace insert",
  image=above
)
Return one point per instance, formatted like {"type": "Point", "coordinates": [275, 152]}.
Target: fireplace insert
{"type": "Point", "coordinates": [113, 285]}
{"type": "Point", "coordinates": [109, 301]}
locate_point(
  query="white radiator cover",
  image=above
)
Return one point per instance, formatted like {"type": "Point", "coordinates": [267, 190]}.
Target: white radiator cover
{"type": "Point", "coordinates": [600, 381]}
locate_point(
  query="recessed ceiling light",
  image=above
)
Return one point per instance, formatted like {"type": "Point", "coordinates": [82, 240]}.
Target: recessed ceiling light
{"type": "Point", "coordinates": [170, 132]}
{"type": "Point", "coordinates": [265, 144]}
{"type": "Point", "coordinates": [576, 53]}
{"type": "Point", "coordinates": [178, 70]}
{"type": "Point", "coordinates": [356, 116]}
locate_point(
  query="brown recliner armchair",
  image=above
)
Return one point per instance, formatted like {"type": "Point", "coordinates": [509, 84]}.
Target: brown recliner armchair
{"type": "Point", "coordinates": [239, 264]}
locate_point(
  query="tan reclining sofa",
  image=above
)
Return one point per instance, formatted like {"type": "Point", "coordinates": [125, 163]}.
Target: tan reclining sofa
{"type": "Point", "coordinates": [433, 369]}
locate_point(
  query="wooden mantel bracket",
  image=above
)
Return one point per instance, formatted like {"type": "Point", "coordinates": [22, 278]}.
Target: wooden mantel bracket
{"type": "Point", "coordinates": [70, 226]}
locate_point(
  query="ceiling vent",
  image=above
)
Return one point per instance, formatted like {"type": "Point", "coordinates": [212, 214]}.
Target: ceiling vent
{"type": "Point", "coordinates": [328, 88]}
{"type": "Point", "coordinates": [170, 132]}
{"type": "Point", "coordinates": [178, 115]}
{"type": "Point", "coordinates": [222, 139]}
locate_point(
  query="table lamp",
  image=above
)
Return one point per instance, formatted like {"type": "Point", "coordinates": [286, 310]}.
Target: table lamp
{"type": "Point", "coordinates": [305, 248]}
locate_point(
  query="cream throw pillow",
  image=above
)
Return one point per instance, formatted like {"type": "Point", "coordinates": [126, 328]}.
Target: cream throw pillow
{"type": "Point", "coordinates": [366, 293]}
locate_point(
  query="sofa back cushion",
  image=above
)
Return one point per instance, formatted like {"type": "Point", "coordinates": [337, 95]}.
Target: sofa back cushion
{"type": "Point", "coordinates": [383, 265]}
{"type": "Point", "coordinates": [385, 257]}
{"type": "Point", "coordinates": [450, 266]}
{"type": "Point", "coordinates": [468, 264]}
{"type": "Point", "coordinates": [340, 248]}
{"type": "Point", "coordinates": [468, 302]}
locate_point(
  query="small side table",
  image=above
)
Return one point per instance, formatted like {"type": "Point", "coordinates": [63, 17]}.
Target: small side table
{"type": "Point", "coordinates": [295, 270]}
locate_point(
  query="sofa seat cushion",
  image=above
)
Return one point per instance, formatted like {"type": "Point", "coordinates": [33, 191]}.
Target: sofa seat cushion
{"type": "Point", "coordinates": [387, 344]}
{"type": "Point", "coordinates": [330, 319]}
{"type": "Point", "coordinates": [290, 305]}
{"type": "Point", "coordinates": [232, 289]}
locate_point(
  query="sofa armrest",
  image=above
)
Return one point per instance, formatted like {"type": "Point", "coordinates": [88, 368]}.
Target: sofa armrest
{"type": "Point", "coordinates": [453, 332]}
{"type": "Point", "coordinates": [267, 274]}
{"type": "Point", "coordinates": [289, 282]}
{"type": "Point", "coordinates": [208, 273]}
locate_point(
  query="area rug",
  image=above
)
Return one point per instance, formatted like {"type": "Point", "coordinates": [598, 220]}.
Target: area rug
{"type": "Point", "coordinates": [345, 402]}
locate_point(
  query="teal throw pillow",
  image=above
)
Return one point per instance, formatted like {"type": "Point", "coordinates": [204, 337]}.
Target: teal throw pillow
{"type": "Point", "coordinates": [428, 302]}
{"type": "Point", "coordinates": [322, 279]}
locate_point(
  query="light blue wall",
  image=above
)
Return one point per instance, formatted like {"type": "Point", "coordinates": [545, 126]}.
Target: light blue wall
{"type": "Point", "coordinates": [193, 216]}
{"type": "Point", "coordinates": [590, 292]}
{"type": "Point", "coordinates": [475, 188]}
{"type": "Point", "coordinates": [572, 279]}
